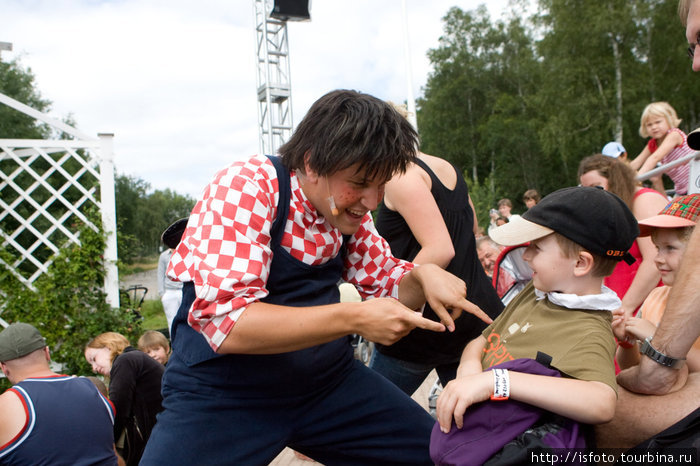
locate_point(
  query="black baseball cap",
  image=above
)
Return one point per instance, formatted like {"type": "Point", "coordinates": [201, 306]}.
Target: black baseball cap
{"type": "Point", "coordinates": [173, 234]}
{"type": "Point", "coordinates": [596, 219]}
{"type": "Point", "coordinates": [694, 139]}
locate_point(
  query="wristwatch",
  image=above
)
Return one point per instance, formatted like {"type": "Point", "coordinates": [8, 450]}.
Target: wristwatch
{"type": "Point", "coordinates": [659, 357]}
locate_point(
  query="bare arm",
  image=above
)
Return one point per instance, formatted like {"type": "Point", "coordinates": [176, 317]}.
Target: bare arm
{"type": "Point", "coordinates": [647, 277]}
{"type": "Point", "coordinates": [12, 417]}
{"type": "Point", "coordinates": [475, 229]}
{"type": "Point", "coordinates": [470, 363]}
{"type": "Point", "coordinates": [693, 360]}
{"type": "Point", "coordinates": [268, 329]}
{"type": "Point", "coordinates": [671, 140]}
{"type": "Point", "coordinates": [410, 196]}
{"type": "Point", "coordinates": [640, 159]}
{"type": "Point", "coordinates": [584, 401]}
{"type": "Point", "coordinates": [445, 293]}
{"type": "Point", "coordinates": [678, 329]}
{"type": "Point", "coordinates": [636, 329]}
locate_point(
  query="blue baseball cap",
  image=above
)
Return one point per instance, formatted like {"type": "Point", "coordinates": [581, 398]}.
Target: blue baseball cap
{"type": "Point", "coordinates": [613, 149]}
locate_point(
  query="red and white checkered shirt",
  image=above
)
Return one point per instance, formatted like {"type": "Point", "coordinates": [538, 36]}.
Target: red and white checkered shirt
{"type": "Point", "coordinates": [225, 249]}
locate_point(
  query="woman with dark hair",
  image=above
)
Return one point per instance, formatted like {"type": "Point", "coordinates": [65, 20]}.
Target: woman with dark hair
{"type": "Point", "coordinates": [134, 389]}
{"type": "Point", "coordinates": [631, 282]}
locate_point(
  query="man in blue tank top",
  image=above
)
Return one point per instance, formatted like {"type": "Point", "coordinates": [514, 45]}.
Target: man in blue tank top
{"type": "Point", "coordinates": [48, 418]}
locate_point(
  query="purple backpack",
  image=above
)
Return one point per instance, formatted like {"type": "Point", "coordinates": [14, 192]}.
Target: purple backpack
{"type": "Point", "coordinates": [507, 432]}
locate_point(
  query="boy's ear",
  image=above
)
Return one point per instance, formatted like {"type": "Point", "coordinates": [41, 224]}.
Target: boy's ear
{"type": "Point", "coordinates": [584, 264]}
{"type": "Point", "coordinates": [310, 173]}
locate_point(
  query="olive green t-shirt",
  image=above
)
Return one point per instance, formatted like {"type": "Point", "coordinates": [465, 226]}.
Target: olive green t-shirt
{"type": "Point", "coordinates": [580, 342]}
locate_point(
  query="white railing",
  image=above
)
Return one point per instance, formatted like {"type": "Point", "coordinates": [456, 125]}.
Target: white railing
{"type": "Point", "coordinates": [694, 177]}
{"type": "Point", "coordinates": [46, 188]}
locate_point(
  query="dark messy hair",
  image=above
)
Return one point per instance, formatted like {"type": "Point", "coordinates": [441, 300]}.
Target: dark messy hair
{"type": "Point", "coordinates": [344, 128]}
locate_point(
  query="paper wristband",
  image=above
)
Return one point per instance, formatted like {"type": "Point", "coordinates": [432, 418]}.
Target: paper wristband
{"type": "Point", "coordinates": [501, 385]}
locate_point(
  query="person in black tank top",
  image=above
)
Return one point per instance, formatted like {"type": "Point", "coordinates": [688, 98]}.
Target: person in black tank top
{"type": "Point", "coordinates": [425, 221]}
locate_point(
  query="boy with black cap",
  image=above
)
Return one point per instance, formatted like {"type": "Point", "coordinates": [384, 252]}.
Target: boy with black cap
{"type": "Point", "coordinates": [576, 237]}
{"type": "Point", "coordinates": [48, 418]}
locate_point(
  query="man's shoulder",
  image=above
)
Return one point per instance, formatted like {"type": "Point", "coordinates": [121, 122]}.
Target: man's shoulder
{"type": "Point", "coordinates": [7, 398]}
{"type": "Point", "coordinates": [252, 168]}
{"type": "Point", "coordinates": [12, 416]}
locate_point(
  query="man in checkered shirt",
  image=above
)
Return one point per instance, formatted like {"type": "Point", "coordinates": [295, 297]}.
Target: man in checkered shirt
{"type": "Point", "coordinates": [261, 346]}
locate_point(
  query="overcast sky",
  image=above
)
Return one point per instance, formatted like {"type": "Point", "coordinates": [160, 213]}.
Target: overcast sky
{"type": "Point", "coordinates": [175, 80]}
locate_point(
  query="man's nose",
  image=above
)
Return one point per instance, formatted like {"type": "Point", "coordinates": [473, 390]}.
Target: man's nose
{"type": "Point", "coordinates": [371, 197]}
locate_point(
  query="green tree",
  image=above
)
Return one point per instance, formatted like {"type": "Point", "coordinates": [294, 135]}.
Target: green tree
{"type": "Point", "coordinates": [143, 215]}
{"type": "Point", "coordinates": [68, 303]}
{"type": "Point", "coordinates": [517, 103]}
{"type": "Point", "coordinates": [18, 83]}
{"type": "Point", "coordinates": [475, 111]}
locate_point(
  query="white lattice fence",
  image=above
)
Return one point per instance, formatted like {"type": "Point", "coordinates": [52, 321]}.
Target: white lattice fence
{"type": "Point", "coordinates": [46, 190]}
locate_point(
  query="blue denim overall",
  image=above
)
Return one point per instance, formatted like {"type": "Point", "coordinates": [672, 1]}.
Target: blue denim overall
{"type": "Point", "coordinates": [244, 409]}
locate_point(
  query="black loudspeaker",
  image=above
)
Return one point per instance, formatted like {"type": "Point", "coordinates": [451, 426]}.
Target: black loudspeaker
{"type": "Point", "coordinates": [291, 10]}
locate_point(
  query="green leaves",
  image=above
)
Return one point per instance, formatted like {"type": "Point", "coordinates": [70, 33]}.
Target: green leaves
{"type": "Point", "coordinates": [142, 216]}
{"type": "Point", "coordinates": [68, 306]}
{"type": "Point", "coordinates": [521, 100]}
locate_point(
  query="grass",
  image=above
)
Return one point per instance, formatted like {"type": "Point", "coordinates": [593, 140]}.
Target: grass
{"type": "Point", "coordinates": [142, 264]}
{"type": "Point", "coordinates": [153, 315]}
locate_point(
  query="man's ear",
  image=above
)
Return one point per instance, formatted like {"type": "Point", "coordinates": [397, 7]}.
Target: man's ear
{"type": "Point", "coordinates": [309, 173]}
{"type": "Point", "coordinates": [584, 264]}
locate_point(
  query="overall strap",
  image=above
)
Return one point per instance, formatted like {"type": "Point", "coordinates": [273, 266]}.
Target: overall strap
{"type": "Point", "coordinates": [277, 229]}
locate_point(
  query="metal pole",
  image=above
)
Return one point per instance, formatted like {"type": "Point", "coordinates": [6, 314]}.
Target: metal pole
{"type": "Point", "coordinates": [410, 101]}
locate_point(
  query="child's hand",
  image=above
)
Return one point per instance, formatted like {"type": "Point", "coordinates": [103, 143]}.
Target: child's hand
{"type": "Point", "coordinates": [639, 328]}
{"type": "Point", "coordinates": [459, 394]}
{"type": "Point", "coordinates": [618, 323]}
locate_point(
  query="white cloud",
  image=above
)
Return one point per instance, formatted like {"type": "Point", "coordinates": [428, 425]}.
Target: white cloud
{"type": "Point", "coordinates": [175, 80]}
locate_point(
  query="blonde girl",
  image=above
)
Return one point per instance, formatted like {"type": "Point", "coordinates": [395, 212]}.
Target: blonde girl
{"type": "Point", "coordinates": [667, 143]}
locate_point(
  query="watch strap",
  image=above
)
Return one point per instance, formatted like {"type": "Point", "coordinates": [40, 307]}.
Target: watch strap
{"type": "Point", "coordinates": [657, 356]}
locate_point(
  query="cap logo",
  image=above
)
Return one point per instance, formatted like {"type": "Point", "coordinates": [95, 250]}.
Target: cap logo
{"type": "Point", "coordinates": [677, 206]}
{"type": "Point", "coordinates": [614, 253]}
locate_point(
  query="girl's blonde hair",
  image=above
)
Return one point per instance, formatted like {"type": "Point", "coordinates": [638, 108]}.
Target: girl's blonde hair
{"type": "Point", "coordinates": [658, 109]}
{"type": "Point", "coordinates": [683, 9]}
{"type": "Point", "coordinates": [115, 342]}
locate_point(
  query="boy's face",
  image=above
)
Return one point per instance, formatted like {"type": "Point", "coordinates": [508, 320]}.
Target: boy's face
{"type": "Point", "coordinates": [551, 269]}
{"type": "Point", "coordinates": [504, 210]}
{"type": "Point", "coordinates": [158, 353]}
{"type": "Point", "coordinates": [354, 195]}
{"type": "Point", "coordinates": [530, 203]}
{"type": "Point", "coordinates": [669, 252]}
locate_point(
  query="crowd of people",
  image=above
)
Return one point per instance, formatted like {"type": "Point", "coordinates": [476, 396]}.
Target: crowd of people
{"type": "Point", "coordinates": [598, 346]}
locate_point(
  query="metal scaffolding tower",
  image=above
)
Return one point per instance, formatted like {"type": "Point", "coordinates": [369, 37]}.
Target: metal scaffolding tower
{"type": "Point", "coordinates": [273, 80]}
